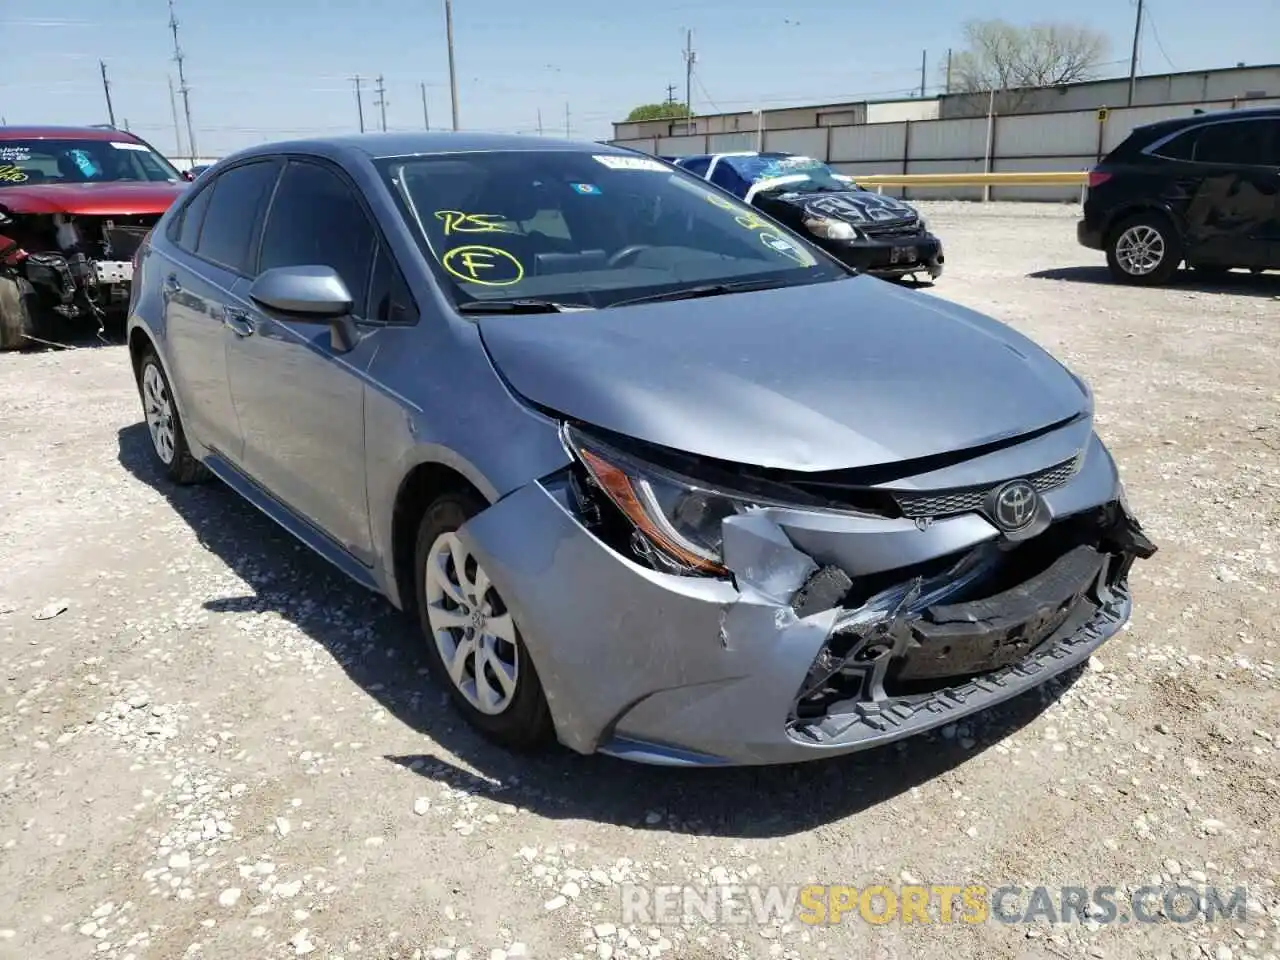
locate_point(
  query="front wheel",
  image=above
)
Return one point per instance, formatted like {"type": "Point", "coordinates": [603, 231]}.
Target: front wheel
{"type": "Point", "coordinates": [1144, 250]}
{"type": "Point", "coordinates": [15, 317]}
{"type": "Point", "coordinates": [473, 643]}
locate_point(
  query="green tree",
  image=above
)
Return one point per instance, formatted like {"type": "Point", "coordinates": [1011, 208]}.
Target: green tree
{"type": "Point", "coordinates": [658, 111]}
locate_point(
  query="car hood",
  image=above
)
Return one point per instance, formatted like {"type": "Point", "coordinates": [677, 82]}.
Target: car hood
{"type": "Point", "coordinates": [838, 375]}
{"type": "Point", "coordinates": [852, 206]}
{"type": "Point", "coordinates": [92, 199]}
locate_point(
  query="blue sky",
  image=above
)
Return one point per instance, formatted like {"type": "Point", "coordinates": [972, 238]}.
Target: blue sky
{"type": "Point", "coordinates": [277, 68]}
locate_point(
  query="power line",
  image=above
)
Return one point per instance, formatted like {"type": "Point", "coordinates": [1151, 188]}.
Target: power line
{"type": "Point", "coordinates": [381, 102]}
{"type": "Point", "coordinates": [1155, 32]}
{"type": "Point", "coordinates": [106, 89]}
{"type": "Point", "coordinates": [359, 102]}
{"type": "Point", "coordinates": [182, 82]}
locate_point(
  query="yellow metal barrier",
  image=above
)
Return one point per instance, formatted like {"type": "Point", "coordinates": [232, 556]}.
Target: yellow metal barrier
{"type": "Point", "coordinates": [1072, 179]}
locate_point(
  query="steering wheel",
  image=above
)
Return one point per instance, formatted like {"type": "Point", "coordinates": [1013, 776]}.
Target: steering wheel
{"type": "Point", "coordinates": [628, 252]}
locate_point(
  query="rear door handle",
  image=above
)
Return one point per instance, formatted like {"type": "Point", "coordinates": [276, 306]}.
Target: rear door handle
{"type": "Point", "coordinates": [239, 323]}
{"type": "Point", "coordinates": [171, 283]}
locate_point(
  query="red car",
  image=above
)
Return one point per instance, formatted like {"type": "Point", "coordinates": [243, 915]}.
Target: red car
{"type": "Point", "coordinates": [75, 203]}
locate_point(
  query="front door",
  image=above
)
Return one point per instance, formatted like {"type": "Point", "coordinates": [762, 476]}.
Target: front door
{"type": "Point", "coordinates": [300, 402]}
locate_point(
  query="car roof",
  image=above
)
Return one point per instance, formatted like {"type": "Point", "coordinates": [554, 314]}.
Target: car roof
{"type": "Point", "coordinates": [49, 132]}
{"type": "Point", "coordinates": [1242, 113]}
{"type": "Point", "coordinates": [378, 146]}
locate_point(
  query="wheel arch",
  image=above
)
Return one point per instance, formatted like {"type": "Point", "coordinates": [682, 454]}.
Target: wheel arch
{"type": "Point", "coordinates": [1122, 213]}
{"type": "Point", "coordinates": [422, 485]}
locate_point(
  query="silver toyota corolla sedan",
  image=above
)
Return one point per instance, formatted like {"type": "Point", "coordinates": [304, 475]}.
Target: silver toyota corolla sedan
{"type": "Point", "coordinates": [658, 477]}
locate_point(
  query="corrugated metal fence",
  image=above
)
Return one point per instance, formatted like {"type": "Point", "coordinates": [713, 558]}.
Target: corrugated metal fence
{"type": "Point", "coordinates": [1044, 142]}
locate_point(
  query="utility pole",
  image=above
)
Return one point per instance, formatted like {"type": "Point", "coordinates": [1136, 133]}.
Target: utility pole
{"type": "Point", "coordinates": [948, 70]}
{"type": "Point", "coordinates": [539, 121]}
{"type": "Point", "coordinates": [1133, 59]}
{"type": "Point", "coordinates": [453, 74]}
{"type": "Point", "coordinates": [106, 89]}
{"type": "Point", "coordinates": [924, 62]}
{"type": "Point", "coordinates": [567, 134]}
{"type": "Point", "coordinates": [173, 108]}
{"type": "Point", "coordinates": [426, 117]}
{"type": "Point", "coordinates": [689, 58]}
{"type": "Point", "coordinates": [359, 102]}
{"type": "Point", "coordinates": [381, 102]}
{"type": "Point", "coordinates": [182, 83]}
{"type": "Point", "coordinates": [671, 93]}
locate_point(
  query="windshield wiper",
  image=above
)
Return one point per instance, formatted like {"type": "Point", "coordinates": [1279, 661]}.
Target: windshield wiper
{"type": "Point", "coordinates": [704, 290]}
{"type": "Point", "coordinates": [519, 306]}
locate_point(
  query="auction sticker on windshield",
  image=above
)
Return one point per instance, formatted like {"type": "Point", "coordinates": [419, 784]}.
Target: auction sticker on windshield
{"type": "Point", "coordinates": [125, 145]}
{"type": "Point", "coordinates": [631, 163]}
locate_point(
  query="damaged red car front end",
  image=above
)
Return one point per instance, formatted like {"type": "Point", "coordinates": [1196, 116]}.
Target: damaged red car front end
{"type": "Point", "coordinates": [75, 205]}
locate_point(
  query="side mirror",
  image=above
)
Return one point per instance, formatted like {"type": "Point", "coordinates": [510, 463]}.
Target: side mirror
{"type": "Point", "coordinates": [310, 294]}
{"type": "Point", "coordinates": [188, 175]}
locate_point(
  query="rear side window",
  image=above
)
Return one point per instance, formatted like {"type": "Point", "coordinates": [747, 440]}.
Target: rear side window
{"type": "Point", "coordinates": [1235, 142]}
{"type": "Point", "coordinates": [698, 166]}
{"type": "Point", "coordinates": [238, 198]}
{"type": "Point", "coordinates": [1181, 147]}
{"type": "Point", "coordinates": [188, 229]}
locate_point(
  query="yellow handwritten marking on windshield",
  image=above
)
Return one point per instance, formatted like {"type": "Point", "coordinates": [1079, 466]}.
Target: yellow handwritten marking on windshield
{"type": "Point", "coordinates": [750, 221]}
{"type": "Point", "coordinates": [456, 221]}
{"type": "Point", "coordinates": [785, 247]}
{"type": "Point", "coordinates": [11, 174]}
{"type": "Point", "coordinates": [721, 202]}
{"type": "Point", "coordinates": [487, 266]}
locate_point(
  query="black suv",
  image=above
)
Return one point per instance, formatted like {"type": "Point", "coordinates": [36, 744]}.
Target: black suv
{"type": "Point", "coordinates": [1204, 189]}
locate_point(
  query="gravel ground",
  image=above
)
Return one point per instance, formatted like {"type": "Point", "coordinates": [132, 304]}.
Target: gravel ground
{"type": "Point", "coordinates": [219, 748]}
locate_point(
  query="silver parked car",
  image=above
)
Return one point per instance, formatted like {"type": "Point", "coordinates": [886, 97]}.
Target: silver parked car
{"type": "Point", "coordinates": [658, 477]}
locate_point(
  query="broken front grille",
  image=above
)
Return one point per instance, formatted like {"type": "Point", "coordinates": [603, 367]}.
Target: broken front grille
{"type": "Point", "coordinates": [919, 506]}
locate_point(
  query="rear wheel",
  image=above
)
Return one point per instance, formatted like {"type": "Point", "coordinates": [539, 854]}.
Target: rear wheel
{"type": "Point", "coordinates": [164, 424]}
{"type": "Point", "coordinates": [473, 644]}
{"type": "Point", "coordinates": [1144, 250]}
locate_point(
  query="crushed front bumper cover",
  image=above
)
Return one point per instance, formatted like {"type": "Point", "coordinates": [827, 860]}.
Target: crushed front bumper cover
{"type": "Point", "coordinates": [793, 659]}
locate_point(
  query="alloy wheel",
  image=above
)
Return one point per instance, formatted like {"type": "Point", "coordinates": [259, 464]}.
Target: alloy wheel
{"type": "Point", "coordinates": [159, 411]}
{"type": "Point", "coordinates": [472, 628]}
{"type": "Point", "coordinates": [1140, 250]}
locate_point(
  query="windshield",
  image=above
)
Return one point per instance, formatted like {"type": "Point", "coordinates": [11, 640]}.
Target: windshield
{"type": "Point", "coordinates": [81, 161]}
{"type": "Point", "coordinates": [588, 230]}
{"type": "Point", "coordinates": [817, 176]}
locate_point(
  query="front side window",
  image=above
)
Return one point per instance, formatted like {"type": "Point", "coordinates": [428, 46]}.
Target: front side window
{"type": "Point", "coordinates": [316, 219]}
{"type": "Point", "coordinates": [239, 196]}
{"type": "Point", "coordinates": [32, 161]}
{"type": "Point", "coordinates": [586, 229]}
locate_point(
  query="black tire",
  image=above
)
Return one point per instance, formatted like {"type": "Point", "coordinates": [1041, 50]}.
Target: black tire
{"type": "Point", "coordinates": [180, 467]}
{"type": "Point", "coordinates": [15, 318]}
{"type": "Point", "coordinates": [525, 723]}
{"type": "Point", "coordinates": [1169, 262]}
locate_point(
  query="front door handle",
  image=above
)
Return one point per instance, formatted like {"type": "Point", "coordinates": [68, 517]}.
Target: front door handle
{"type": "Point", "coordinates": [239, 323]}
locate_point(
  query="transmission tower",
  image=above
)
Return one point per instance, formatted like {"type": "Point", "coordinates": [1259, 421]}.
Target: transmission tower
{"type": "Point", "coordinates": [182, 82]}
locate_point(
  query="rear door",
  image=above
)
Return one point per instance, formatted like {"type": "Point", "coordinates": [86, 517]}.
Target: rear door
{"type": "Point", "coordinates": [300, 403]}
{"type": "Point", "coordinates": [207, 255]}
{"type": "Point", "coordinates": [1235, 198]}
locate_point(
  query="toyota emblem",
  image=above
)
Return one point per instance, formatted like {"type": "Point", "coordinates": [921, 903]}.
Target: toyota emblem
{"type": "Point", "coordinates": [1014, 505]}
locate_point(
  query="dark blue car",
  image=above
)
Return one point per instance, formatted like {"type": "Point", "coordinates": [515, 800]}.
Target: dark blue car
{"type": "Point", "coordinates": [874, 233]}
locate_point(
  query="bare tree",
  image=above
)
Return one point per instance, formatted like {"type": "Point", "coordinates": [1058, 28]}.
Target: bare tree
{"type": "Point", "coordinates": [1007, 58]}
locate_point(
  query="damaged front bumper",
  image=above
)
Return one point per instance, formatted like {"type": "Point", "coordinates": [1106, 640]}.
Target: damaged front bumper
{"type": "Point", "coordinates": [834, 633]}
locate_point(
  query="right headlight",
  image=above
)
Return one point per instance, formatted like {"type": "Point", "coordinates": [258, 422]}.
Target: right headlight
{"type": "Point", "coordinates": [831, 228]}
{"type": "Point", "coordinates": [677, 515]}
